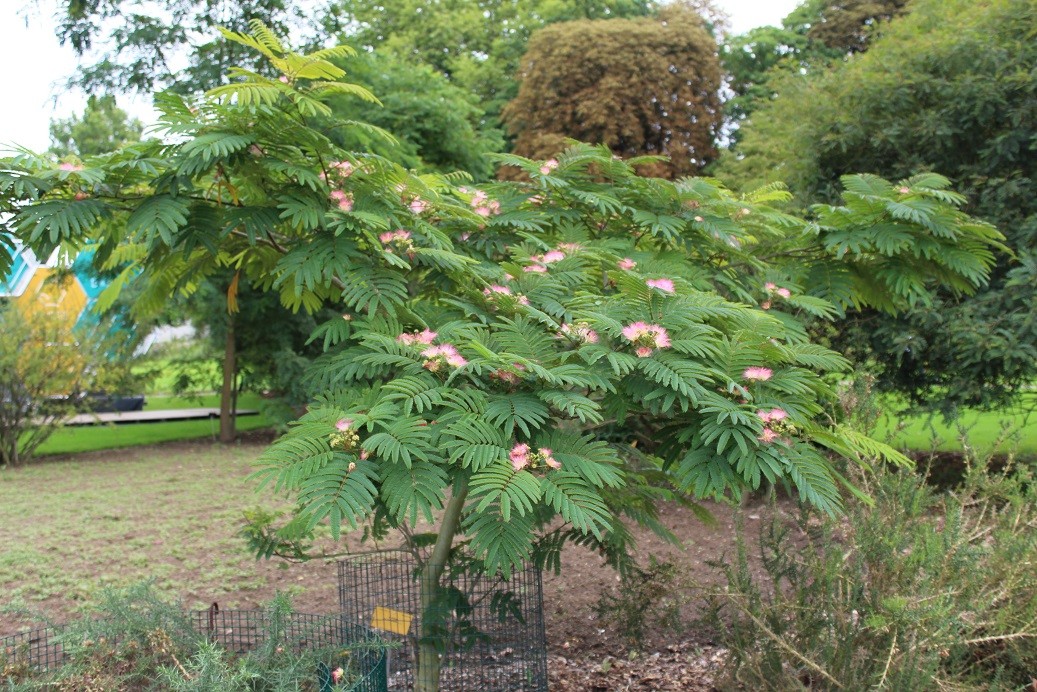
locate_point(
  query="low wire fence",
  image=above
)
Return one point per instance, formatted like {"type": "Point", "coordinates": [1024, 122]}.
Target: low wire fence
{"type": "Point", "coordinates": [239, 632]}
{"type": "Point", "coordinates": [488, 629]}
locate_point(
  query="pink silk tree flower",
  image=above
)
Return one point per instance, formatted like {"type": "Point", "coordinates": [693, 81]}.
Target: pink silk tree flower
{"type": "Point", "coordinates": [664, 285]}
{"type": "Point", "coordinates": [757, 373]}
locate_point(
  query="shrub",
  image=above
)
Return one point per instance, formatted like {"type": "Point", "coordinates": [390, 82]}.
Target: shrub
{"type": "Point", "coordinates": [925, 590]}
{"type": "Point", "coordinates": [139, 642]}
{"type": "Point", "coordinates": [647, 597]}
{"type": "Point", "coordinates": [45, 368]}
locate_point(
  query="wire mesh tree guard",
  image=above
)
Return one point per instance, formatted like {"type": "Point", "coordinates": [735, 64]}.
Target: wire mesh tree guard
{"type": "Point", "coordinates": [489, 630]}
{"type": "Point", "coordinates": [239, 632]}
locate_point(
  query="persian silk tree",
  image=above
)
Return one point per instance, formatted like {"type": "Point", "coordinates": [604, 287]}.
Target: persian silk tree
{"type": "Point", "coordinates": [519, 365]}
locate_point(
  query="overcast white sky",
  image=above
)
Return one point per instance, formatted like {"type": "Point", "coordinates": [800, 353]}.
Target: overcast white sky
{"type": "Point", "coordinates": [35, 66]}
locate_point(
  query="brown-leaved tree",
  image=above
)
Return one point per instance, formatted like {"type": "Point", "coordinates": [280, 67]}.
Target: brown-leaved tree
{"type": "Point", "coordinates": [639, 86]}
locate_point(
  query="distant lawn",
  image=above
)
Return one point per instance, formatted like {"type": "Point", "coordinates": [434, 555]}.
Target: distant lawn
{"type": "Point", "coordinates": [170, 513]}
{"type": "Point", "coordinates": [90, 438]}
{"type": "Point", "coordinates": [1006, 431]}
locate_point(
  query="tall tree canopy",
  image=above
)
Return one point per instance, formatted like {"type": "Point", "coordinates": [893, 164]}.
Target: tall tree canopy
{"type": "Point", "coordinates": [436, 124]}
{"type": "Point", "coordinates": [813, 35]}
{"type": "Point", "coordinates": [477, 43]}
{"type": "Point", "coordinates": [949, 87]}
{"type": "Point", "coordinates": [639, 86]}
{"type": "Point", "coordinates": [143, 46]}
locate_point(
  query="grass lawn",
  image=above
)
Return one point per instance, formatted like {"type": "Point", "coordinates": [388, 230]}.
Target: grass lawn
{"type": "Point", "coordinates": [169, 513]}
{"type": "Point", "coordinates": [89, 438]}
{"type": "Point", "coordinates": [1005, 431]}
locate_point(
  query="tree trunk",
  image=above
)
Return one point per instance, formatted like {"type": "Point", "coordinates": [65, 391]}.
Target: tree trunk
{"type": "Point", "coordinates": [228, 432]}
{"type": "Point", "coordinates": [429, 663]}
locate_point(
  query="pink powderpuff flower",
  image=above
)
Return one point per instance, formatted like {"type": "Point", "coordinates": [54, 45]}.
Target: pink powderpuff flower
{"type": "Point", "coordinates": [646, 337]}
{"type": "Point", "coordinates": [757, 373]}
{"type": "Point", "coordinates": [436, 355]}
{"type": "Point", "coordinates": [65, 166]}
{"type": "Point", "coordinates": [579, 332]}
{"type": "Point", "coordinates": [569, 247]}
{"type": "Point", "coordinates": [483, 212]}
{"type": "Point", "coordinates": [505, 376]}
{"type": "Point", "coordinates": [282, 79]}
{"type": "Point", "coordinates": [80, 196]}
{"type": "Point", "coordinates": [783, 292]}
{"type": "Point", "coordinates": [768, 436]}
{"type": "Point", "coordinates": [343, 168]}
{"type": "Point", "coordinates": [425, 337]}
{"type": "Point", "coordinates": [418, 205]}
{"type": "Point", "coordinates": [775, 414]}
{"type": "Point", "coordinates": [496, 288]}
{"type": "Point", "coordinates": [337, 674]}
{"type": "Point", "coordinates": [523, 300]}
{"type": "Point", "coordinates": [535, 269]}
{"type": "Point", "coordinates": [769, 286]}
{"type": "Point", "coordinates": [664, 285]}
{"type": "Point", "coordinates": [519, 456]}
{"type": "Point", "coordinates": [479, 198]}
{"type": "Point", "coordinates": [553, 256]}
{"type": "Point", "coordinates": [765, 305]}
{"type": "Point", "coordinates": [549, 166]}
{"type": "Point", "coordinates": [344, 424]}
{"type": "Point", "coordinates": [390, 236]}
{"type": "Point", "coordinates": [342, 199]}
{"type": "Point", "coordinates": [536, 200]}
{"type": "Point", "coordinates": [904, 190]}
{"type": "Point", "coordinates": [364, 455]}
{"type": "Point", "coordinates": [699, 219]}
{"type": "Point", "coordinates": [626, 264]}
{"type": "Point", "coordinates": [548, 459]}
{"type": "Point", "coordinates": [635, 330]}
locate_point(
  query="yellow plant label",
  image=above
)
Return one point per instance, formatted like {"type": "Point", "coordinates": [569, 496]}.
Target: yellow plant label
{"type": "Point", "coordinates": [391, 620]}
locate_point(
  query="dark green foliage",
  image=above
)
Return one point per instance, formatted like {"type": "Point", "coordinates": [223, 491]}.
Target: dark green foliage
{"type": "Point", "coordinates": [847, 26]}
{"type": "Point", "coordinates": [476, 43]}
{"type": "Point", "coordinates": [437, 125]}
{"type": "Point", "coordinates": [923, 591]}
{"type": "Point", "coordinates": [948, 87]}
{"type": "Point", "coordinates": [814, 35]}
{"type": "Point", "coordinates": [639, 86]}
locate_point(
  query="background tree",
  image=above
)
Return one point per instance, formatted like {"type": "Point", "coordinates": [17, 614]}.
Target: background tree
{"type": "Point", "coordinates": [811, 37]}
{"type": "Point", "coordinates": [639, 86]}
{"type": "Point", "coordinates": [436, 124]}
{"type": "Point", "coordinates": [478, 44]}
{"type": "Point", "coordinates": [142, 46]}
{"type": "Point", "coordinates": [103, 127]}
{"type": "Point", "coordinates": [947, 87]}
